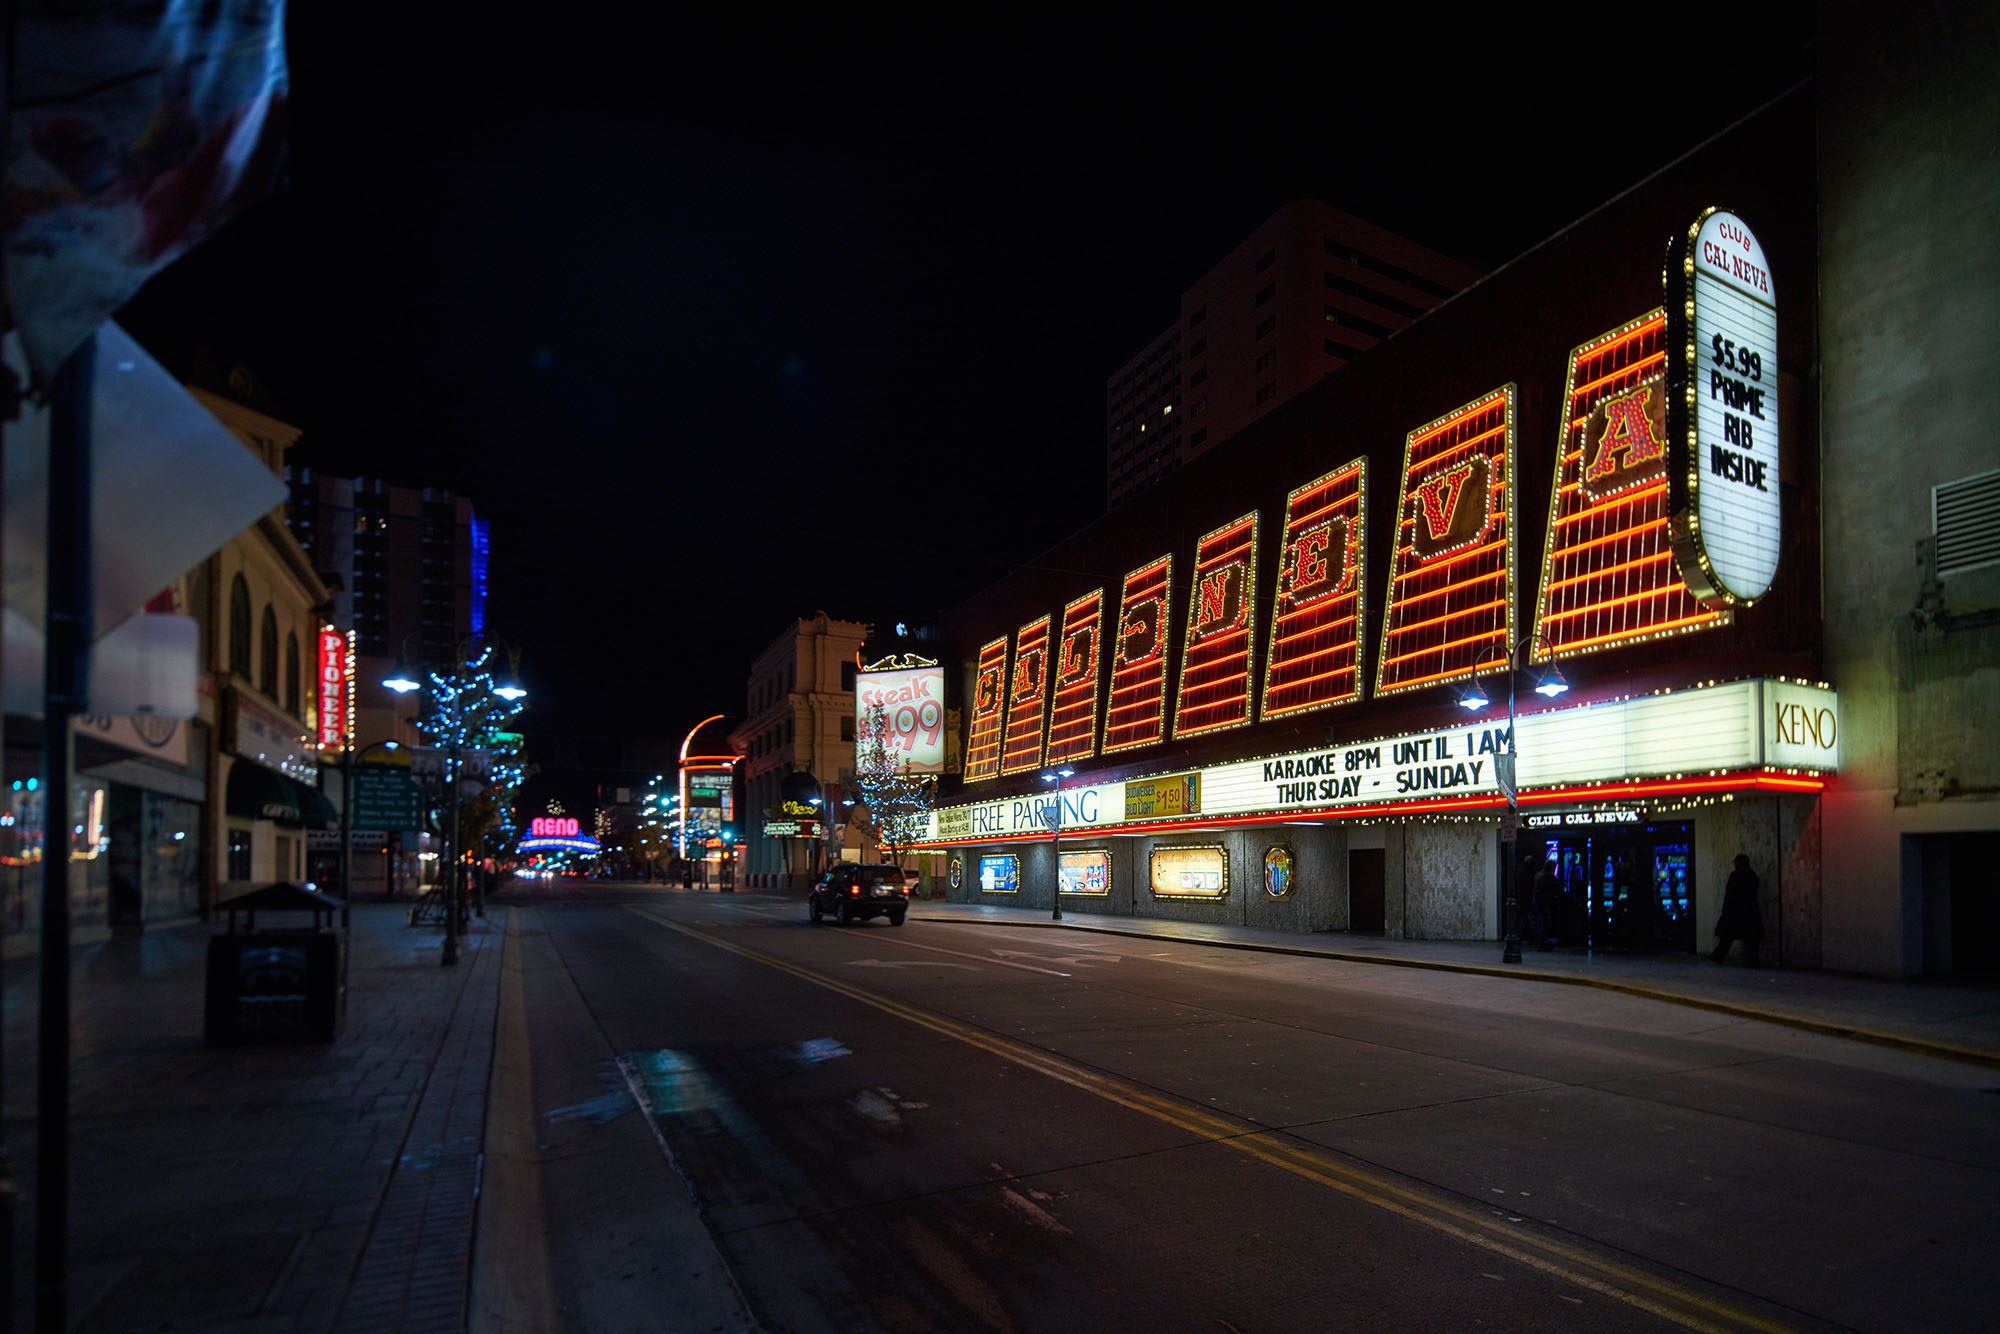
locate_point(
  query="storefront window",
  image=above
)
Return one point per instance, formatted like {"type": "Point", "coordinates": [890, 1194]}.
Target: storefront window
{"type": "Point", "coordinates": [1086, 872]}
{"type": "Point", "coordinates": [239, 854]}
{"type": "Point", "coordinates": [999, 875]}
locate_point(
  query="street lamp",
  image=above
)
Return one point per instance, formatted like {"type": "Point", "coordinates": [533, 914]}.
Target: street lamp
{"type": "Point", "coordinates": [1055, 824]}
{"type": "Point", "coordinates": [348, 756]}
{"type": "Point", "coordinates": [403, 681]}
{"type": "Point", "coordinates": [1549, 683]}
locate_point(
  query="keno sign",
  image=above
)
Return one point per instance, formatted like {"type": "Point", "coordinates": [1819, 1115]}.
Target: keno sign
{"type": "Point", "coordinates": [911, 701]}
{"type": "Point", "coordinates": [1722, 411]}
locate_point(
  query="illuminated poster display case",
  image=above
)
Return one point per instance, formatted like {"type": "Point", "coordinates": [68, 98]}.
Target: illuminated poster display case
{"type": "Point", "coordinates": [1136, 712]}
{"type": "Point", "coordinates": [1609, 576]}
{"type": "Point", "coordinates": [1079, 664]}
{"type": "Point", "coordinates": [1000, 874]}
{"type": "Point", "coordinates": [1086, 871]}
{"type": "Point", "coordinates": [1191, 871]}
{"type": "Point", "coordinates": [982, 736]}
{"type": "Point", "coordinates": [1314, 660]}
{"type": "Point", "coordinates": [1214, 691]}
{"type": "Point", "coordinates": [1022, 750]}
{"type": "Point", "coordinates": [1449, 610]}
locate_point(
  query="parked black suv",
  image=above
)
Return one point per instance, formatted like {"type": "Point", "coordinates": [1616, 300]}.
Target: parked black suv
{"type": "Point", "coordinates": [850, 891]}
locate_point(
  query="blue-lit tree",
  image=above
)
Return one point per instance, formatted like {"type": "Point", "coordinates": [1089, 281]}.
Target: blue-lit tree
{"type": "Point", "coordinates": [898, 801]}
{"type": "Point", "coordinates": [462, 709]}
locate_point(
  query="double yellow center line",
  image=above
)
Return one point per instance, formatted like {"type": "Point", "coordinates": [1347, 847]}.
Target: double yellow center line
{"type": "Point", "coordinates": [1670, 1301]}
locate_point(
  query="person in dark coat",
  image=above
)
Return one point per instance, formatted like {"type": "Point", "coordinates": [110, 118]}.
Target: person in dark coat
{"type": "Point", "coordinates": [1545, 899]}
{"type": "Point", "coordinates": [1741, 918]}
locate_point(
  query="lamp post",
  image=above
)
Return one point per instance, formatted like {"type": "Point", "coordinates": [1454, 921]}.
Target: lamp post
{"type": "Point", "coordinates": [1056, 824]}
{"type": "Point", "coordinates": [1550, 683]}
{"type": "Point", "coordinates": [402, 682]}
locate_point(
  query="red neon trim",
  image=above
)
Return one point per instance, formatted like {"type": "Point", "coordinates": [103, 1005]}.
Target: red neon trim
{"type": "Point", "coordinates": [1608, 504]}
{"type": "Point", "coordinates": [1448, 616]}
{"type": "Point", "coordinates": [1327, 628]}
{"type": "Point", "coordinates": [1460, 558]}
{"type": "Point", "coordinates": [1639, 370]}
{"type": "Point", "coordinates": [1466, 443]}
{"type": "Point", "coordinates": [1652, 558]}
{"type": "Point", "coordinates": [1657, 628]}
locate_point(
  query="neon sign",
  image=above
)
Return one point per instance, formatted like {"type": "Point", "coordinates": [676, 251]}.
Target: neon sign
{"type": "Point", "coordinates": [554, 826]}
{"type": "Point", "coordinates": [1608, 570]}
{"type": "Point", "coordinates": [1314, 660]}
{"type": "Point", "coordinates": [1136, 713]}
{"type": "Point", "coordinates": [1450, 605]}
{"type": "Point", "coordinates": [1214, 688]}
{"type": "Point", "coordinates": [1029, 690]}
{"type": "Point", "coordinates": [1079, 662]}
{"type": "Point", "coordinates": [1722, 411]}
{"type": "Point", "coordinates": [982, 739]}
{"type": "Point", "coordinates": [333, 668]}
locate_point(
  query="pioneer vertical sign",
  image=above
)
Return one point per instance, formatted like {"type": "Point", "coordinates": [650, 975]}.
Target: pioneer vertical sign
{"type": "Point", "coordinates": [1722, 410]}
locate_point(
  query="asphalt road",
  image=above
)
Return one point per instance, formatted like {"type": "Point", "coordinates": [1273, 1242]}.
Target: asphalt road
{"type": "Point", "coordinates": [941, 1126]}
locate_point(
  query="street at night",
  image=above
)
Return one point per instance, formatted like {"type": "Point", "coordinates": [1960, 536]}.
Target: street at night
{"type": "Point", "coordinates": [977, 1124]}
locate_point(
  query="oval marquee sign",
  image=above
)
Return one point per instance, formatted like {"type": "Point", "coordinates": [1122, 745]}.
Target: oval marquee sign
{"type": "Point", "coordinates": [1722, 411]}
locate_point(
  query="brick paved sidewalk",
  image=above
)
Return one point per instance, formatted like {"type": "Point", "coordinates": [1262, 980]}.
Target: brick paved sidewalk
{"type": "Point", "coordinates": [265, 1189]}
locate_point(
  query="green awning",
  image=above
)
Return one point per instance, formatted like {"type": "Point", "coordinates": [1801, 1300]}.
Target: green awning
{"type": "Point", "coordinates": [257, 793]}
{"type": "Point", "coordinates": [314, 809]}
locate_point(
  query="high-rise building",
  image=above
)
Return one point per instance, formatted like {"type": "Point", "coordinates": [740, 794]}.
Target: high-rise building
{"type": "Point", "coordinates": [1309, 291]}
{"type": "Point", "coordinates": [411, 567]}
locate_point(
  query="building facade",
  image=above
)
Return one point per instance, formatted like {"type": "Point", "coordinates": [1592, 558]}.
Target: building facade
{"type": "Point", "coordinates": [1302, 296]}
{"type": "Point", "coordinates": [1560, 480]}
{"type": "Point", "coordinates": [411, 579]}
{"type": "Point", "coordinates": [798, 718]}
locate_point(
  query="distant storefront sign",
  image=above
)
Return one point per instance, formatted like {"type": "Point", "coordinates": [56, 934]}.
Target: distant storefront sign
{"type": "Point", "coordinates": [1086, 872]}
{"type": "Point", "coordinates": [268, 737]}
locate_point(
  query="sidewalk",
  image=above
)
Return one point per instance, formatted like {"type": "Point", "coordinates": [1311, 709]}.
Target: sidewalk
{"type": "Point", "coordinates": [1955, 1021]}
{"type": "Point", "coordinates": [263, 1189]}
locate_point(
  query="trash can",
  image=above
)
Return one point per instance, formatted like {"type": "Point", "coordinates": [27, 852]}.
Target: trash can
{"type": "Point", "coordinates": [278, 985]}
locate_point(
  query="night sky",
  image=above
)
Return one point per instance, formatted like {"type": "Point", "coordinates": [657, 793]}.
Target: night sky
{"type": "Point", "coordinates": [718, 334]}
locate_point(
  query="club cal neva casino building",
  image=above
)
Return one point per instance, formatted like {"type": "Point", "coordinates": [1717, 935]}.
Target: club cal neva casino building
{"type": "Point", "coordinates": [1614, 464]}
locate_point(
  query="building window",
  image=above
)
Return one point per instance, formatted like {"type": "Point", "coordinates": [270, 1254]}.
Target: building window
{"type": "Point", "coordinates": [1197, 347]}
{"type": "Point", "coordinates": [292, 675]}
{"type": "Point", "coordinates": [1266, 260]}
{"type": "Point", "coordinates": [1264, 327]}
{"type": "Point", "coordinates": [286, 869]}
{"type": "Point", "coordinates": [1341, 350]}
{"type": "Point", "coordinates": [1373, 297]}
{"type": "Point", "coordinates": [1267, 360]}
{"type": "Point", "coordinates": [847, 727]}
{"type": "Point", "coordinates": [1267, 393]}
{"type": "Point", "coordinates": [1266, 292]}
{"type": "Point", "coordinates": [1356, 323]}
{"type": "Point", "coordinates": [239, 850]}
{"type": "Point", "coordinates": [1200, 375]}
{"type": "Point", "coordinates": [847, 676]}
{"type": "Point", "coordinates": [1199, 437]}
{"type": "Point", "coordinates": [239, 626]}
{"type": "Point", "coordinates": [1197, 317]}
{"type": "Point", "coordinates": [267, 654]}
{"type": "Point", "coordinates": [1199, 406]}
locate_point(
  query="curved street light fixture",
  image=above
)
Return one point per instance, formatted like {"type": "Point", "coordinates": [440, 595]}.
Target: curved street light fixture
{"type": "Point", "coordinates": [1055, 823]}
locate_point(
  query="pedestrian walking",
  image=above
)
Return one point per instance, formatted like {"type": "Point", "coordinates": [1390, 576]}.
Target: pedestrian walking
{"type": "Point", "coordinates": [1741, 918]}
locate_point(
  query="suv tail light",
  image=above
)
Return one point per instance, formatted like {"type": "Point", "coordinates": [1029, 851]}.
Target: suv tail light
{"type": "Point", "coordinates": [854, 889]}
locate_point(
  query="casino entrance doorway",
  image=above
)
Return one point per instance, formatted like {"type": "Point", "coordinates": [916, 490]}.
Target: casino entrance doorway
{"type": "Point", "coordinates": [1621, 882]}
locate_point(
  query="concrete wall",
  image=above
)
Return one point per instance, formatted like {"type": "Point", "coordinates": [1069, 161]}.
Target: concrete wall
{"type": "Point", "coordinates": [1910, 355]}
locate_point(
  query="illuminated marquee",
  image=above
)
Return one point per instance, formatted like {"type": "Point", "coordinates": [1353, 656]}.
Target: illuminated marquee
{"type": "Point", "coordinates": [1314, 660]}
{"type": "Point", "coordinates": [335, 668]}
{"type": "Point", "coordinates": [1135, 715]}
{"type": "Point", "coordinates": [554, 826]}
{"type": "Point", "coordinates": [1027, 693]}
{"type": "Point", "coordinates": [1079, 662]}
{"type": "Point", "coordinates": [1608, 570]}
{"type": "Point", "coordinates": [982, 738]}
{"type": "Point", "coordinates": [910, 696]}
{"type": "Point", "coordinates": [1214, 688]}
{"type": "Point", "coordinates": [1722, 411]}
{"type": "Point", "coordinates": [1450, 605]}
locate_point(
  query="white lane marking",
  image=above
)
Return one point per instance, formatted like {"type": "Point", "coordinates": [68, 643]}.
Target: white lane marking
{"type": "Point", "coordinates": [981, 958]}
{"type": "Point", "coordinates": [1073, 960]}
{"type": "Point", "coordinates": [904, 963]}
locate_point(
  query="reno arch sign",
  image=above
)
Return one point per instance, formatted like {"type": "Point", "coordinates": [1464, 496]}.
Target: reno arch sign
{"type": "Point", "coordinates": [1722, 410]}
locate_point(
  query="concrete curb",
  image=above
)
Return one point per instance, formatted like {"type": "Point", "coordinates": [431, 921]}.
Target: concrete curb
{"type": "Point", "coordinates": [1805, 1023]}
